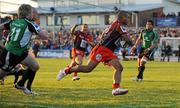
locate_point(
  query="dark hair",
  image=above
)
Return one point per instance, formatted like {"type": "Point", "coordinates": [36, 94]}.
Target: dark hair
{"type": "Point", "coordinates": [84, 24]}
{"type": "Point", "coordinates": [151, 21]}
{"type": "Point", "coordinates": [120, 14]}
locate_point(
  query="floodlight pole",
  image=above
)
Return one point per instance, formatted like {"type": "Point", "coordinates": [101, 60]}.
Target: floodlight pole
{"type": "Point", "coordinates": [136, 18]}
{"type": "Point", "coordinates": [53, 25]}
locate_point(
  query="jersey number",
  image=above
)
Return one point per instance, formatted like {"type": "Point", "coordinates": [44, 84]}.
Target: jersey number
{"type": "Point", "coordinates": [83, 43]}
{"type": "Point", "coordinates": [15, 33]}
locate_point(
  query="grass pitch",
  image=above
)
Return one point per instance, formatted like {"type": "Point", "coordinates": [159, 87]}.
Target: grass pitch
{"type": "Point", "coordinates": [160, 88]}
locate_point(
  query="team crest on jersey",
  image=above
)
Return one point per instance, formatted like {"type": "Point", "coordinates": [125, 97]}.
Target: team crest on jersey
{"type": "Point", "coordinates": [98, 57]}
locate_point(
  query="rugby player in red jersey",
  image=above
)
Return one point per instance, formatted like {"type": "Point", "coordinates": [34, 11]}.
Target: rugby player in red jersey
{"type": "Point", "coordinates": [81, 40]}
{"type": "Point", "coordinates": [113, 37]}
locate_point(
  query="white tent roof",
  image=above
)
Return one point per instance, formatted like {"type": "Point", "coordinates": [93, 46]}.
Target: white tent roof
{"type": "Point", "coordinates": [95, 9]}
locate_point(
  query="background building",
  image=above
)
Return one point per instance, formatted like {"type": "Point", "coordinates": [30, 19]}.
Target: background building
{"type": "Point", "coordinates": [12, 5]}
{"type": "Point", "coordinates": [58, 14]}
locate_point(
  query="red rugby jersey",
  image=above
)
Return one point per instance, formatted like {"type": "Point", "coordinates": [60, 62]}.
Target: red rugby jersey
{"type": "Point", "coordinates": [81, 40]}
{"type": "Point", "coordinates": [112, 36]}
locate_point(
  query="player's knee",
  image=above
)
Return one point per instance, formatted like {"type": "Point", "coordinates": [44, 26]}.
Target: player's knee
{"type": "Point", "coordinates": [35, 67]}
{"type": "Point", "coordinates": [143, 61]}
{"type": "Point", "coordinates": [119, 68]}
{"type": "Point", "coordinates": [78, 62]}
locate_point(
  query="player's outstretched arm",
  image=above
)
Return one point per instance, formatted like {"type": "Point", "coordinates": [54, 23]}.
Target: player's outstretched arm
{"type": "Point", "coordinates": [138, 41]}
{"type": "Point", "coordinates": [73, 29]}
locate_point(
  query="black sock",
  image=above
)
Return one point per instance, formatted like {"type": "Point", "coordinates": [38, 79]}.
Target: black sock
{"type": "Point", "coordinates": [17, 74]}
{"type": "Point", "coordinates": [16, 77]}
{"type": "Point", "coordinates": [30, 79]}
{"type": "Point", "coordinates": [24, 77]}
{"type": "Point", "coordinates": [21, 72]}
{"type": "Point", "coordinates": [141, 70]}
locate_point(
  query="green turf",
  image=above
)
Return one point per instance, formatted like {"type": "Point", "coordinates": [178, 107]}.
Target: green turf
{"type": "Point", "coordinates": [160, 88]}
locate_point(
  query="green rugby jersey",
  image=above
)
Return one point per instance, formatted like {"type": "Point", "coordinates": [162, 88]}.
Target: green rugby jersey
{"type": "Point", "coordinates": [148, 37]}
{"type": "Point", "coordinates": [20, 34]}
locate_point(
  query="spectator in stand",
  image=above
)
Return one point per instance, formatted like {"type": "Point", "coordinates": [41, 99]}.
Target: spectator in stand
{"type": "Point", "coordinates": [168, 52]}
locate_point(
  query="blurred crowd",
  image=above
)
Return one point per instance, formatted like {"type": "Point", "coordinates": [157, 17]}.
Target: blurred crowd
{"type": "Point", "coordinates": [63, 39]}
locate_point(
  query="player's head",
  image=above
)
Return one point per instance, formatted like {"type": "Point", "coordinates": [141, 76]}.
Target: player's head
{"type": "Point", "coordinates": [8, 18]}
{"type": "Point", "coordinates": [25, 11]}
{"type": "Point", "coordinates": [122, 16]}
{"type": "Point", "coordinates": [35, 14]}
{"type": "Point", "coordinates": [84, 28]}
{"type": "Point", "coordinates": [149, 25]}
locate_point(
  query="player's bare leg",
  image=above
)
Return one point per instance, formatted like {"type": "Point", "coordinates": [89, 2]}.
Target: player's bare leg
{"type": "Point", "coordinates": [33, 66]}
{"type": "Point", "coordinates": [79, 68]}
{"type": "Point", "coordinates": [142, 67]}
{"type": "Point", "coordinates": [117, 90]}
{"type": "Point", "coordinates": [77, 61]}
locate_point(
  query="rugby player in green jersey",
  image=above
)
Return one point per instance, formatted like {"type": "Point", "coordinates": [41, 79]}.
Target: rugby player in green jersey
{"type": "Point", "coordinates": [16, 49]}
{"type": "Point", "coordinates": [148, 41]}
